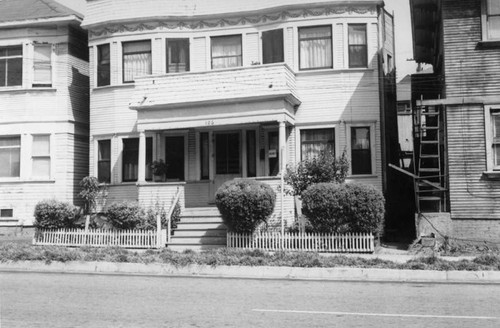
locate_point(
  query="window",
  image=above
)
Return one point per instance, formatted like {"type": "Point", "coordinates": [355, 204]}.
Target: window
{"type": "Point", "coordinates": [6, 213]}
{"type": "Point", "coordinates": [177, 55]}
{"type": "Point", "coordinates": [149, 158]}
{"type": "Point", "coordinates": [136, 60]}
{"type": "Point", "coordinates": [273, 152]}
{"type": "Point", "coordinates": [491, 20]}
{"type": "Point", "coordinates": [226, 51]}
{"type": "Point", "coordinates": [495, 140]}
{"type": "Point", "coordinates": [251, 155]}
{"type": "Point", "coordinates": [272, 47]}
{"type": "Point", "coordinates": [358, 55]}
{"type": "Point", "coordinates": [204, 156]}
{"type": "Point", "coordinates": [104, 161]}
{"type": "Point", "coordinates": [42, 65]}
{"type": "Point", "coordinates": [174, 157]}
{"type": "Point", "coordinates": [130, 159]}
{"type": "Point", "coordinates": [103, 65]}
{"type": "Point", "coordinates": [11, 66]}
{"type": "Point", "coordinates": [361, 158]}
{"type": "Point", "coordinates": [315, 47]}
{"type": "Point", "coordinates": [41, 156]}
{"type": "Point", "coordinates": [10, 156]}
{"type": "Point", "coordinates": [227, 153]}
{"type": "Point", "coordinates": [313, 142]}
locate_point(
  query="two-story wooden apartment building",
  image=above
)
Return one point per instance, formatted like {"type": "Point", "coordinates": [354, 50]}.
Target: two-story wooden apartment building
{"type": "Point", "coordinates": [461, 101]}
{"type": "Point", "coordinates": [226, 89]}
{"type": "Point", "coordinates": [43, 106]}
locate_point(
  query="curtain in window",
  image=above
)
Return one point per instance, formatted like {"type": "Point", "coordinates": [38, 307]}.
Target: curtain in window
{"type": "Point", "coordinates": [315, 47]}
{"type": "Point", "coordinates": [358, 56]}
{"type": "Point", "coordinates": [226, 51]}
{"type": "Point", "coordinates": [493, 19]}
{"type": "Point", "coordinates": [10, 157]}
{"type": "Point", "coordinates": [130, 165]}
{"type": "Point", "coordinates": [136, 60]}
{"type": "Point", "coordinates": [314, 142]}
{"type": "Point", "coordinates": [42, 65]}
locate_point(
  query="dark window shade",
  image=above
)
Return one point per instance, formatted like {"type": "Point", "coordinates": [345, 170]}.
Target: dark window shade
{"type": "Point", "coordinates": [272, 46]}
{"type": "Point", "coordinates": [361, 159]}
{"type": "Point", "coordinates": [130, 161]}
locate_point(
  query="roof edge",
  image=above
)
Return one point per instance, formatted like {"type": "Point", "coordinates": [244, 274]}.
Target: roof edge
{"type": "Point", "coordinates": [42, 21]}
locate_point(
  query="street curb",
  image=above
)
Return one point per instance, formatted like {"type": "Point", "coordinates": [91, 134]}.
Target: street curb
{"type": "Point", "coordinates": [257, 272]}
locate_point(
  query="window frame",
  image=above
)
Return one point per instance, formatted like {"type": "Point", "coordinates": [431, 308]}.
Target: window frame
{"type": "Point", "coordinates": [365, 45]}
{"type": "Point", "coordinates": [301, 142]}
{"type": "Point", "coordinates": [182, 42]}
{"type": "Point", "coordinates": [490, 112]}
{"type": "Point", "coordinates": [330, 48]}
{"type": "Point", "coordinates": [42, 64]}
{"type": "Point", "coordinates": [272, 35]}
{"type": "Point", "coordinates": [215, 37]}
{"type": "Point", "coordinates": [484, 22]}
{"type": "Point", "coordinates": [122, 166]}
{"type": "Point", "coordinates": [99, 65]}
{"type": "Point", "coordinates": [42, 156]}
{"type": "Point", "coordinates": [20, 146]}
{"type": "Point", "coordinates": [150, 52]}
{"type": "Point", "coordinates": [12, 57]}
{"type": "Point", "coordinates": [373, 143]}
{"type": "Point", "coordinates": [98, 160]}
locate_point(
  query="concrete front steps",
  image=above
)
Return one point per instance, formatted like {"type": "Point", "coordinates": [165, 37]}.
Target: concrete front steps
{"type": "Point", "coordinates": [200, 228]}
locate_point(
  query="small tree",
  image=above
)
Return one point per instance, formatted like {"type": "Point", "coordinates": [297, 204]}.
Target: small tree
{"type": "Point", "coordinates": [90, 192]}
{"type": "Point", "coordinates": [324, 168]}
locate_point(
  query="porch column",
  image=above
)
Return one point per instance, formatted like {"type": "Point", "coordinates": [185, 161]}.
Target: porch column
{"type": "Point", "coordinates": [141, 175]}
{"type": "Point", "coordinates": [282, 146]}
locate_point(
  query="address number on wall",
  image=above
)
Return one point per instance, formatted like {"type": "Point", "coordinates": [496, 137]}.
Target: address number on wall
{"type": "Point", "coordinates": [209, 123]}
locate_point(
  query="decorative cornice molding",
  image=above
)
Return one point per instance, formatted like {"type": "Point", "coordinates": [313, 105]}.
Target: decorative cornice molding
{"type": "Point", "coordinates": [194, 24]}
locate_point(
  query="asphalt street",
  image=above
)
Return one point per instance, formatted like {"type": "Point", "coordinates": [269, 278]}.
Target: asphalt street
{"type": "Point", "coordinates": [80, 300]}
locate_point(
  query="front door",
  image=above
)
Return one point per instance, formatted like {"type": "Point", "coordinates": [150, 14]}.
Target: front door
{"type": "Point", "coordinates": [227, 158]}
{"type": "Point", "coordinates": [174, 158]}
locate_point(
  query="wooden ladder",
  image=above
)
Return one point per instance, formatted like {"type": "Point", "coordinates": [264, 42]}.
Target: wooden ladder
{"type": "Point", "coordinates": [430, 186]}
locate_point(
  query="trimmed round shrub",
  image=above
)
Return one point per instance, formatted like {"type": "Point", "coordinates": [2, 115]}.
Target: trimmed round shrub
{"type": "Point", "coordinates": [125, 215]}
{"type": "Point", "coordinates": [54, 214]}
{"type": "Point", "coordinates": [342, 208]}
{"type": "Point", "coordinates": [244, 204]}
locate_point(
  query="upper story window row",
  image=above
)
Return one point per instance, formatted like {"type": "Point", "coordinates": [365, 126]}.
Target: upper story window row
{"type": "Point", "coordinates": [26, 65]}
{"type": "Point", "coordinates": [315, 51]}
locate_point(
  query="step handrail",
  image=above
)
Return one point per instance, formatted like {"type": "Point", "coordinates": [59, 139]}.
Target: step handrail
{"type": "Point", "coordinates": [170, 212]}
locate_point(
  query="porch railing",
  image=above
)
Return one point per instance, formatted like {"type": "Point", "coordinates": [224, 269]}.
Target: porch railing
{"type": "Point", "coordinates": [100, 238]}
{"type": "Point", "coordinates": [274, 241]}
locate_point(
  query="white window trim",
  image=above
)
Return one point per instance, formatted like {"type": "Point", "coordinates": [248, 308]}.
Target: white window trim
{"type": "Point", "coordinates": [51, 157]}
{"type": "Point", "coordinates": [21, 158]}
{"type": "Point", "coordinates": [484, 22]}
{"type": "Point", "coordinates": [95, 152]}
{"type": "Point", "coordinates": [52, 62]}
{"type": "Point", "coordinates": [298, 142]}
{"type": "Point", "coordinates": [490, 167]}
{"type": "Point", "coordinates": [373, 147]}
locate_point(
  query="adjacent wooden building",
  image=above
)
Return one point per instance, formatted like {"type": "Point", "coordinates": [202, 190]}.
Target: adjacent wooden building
{"type": "Point", "coordinates": [461, 103]}
{"type": "Point", "coordinates": [44, 106]}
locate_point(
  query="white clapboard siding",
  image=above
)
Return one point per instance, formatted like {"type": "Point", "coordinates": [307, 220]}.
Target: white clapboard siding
{"type": "Point", "coordinates": [312, 242]}
{"type": "Point", "coordinates": [100, 238]}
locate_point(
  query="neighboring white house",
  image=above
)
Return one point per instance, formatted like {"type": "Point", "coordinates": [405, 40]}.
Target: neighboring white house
{"type": "Point", "coordinates": [226, 89]}
{"type": "Point", "coordinates": [43, 106]}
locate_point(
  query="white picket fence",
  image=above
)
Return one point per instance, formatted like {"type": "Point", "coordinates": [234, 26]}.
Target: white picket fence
{"type": "Point", "coordinates": [315, 242]}
{"type": "Point", "coordinates": [101, 238]}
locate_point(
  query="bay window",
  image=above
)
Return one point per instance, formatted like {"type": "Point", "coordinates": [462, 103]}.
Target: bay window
{"type": "Point", "coordinates": [177, 55]}
{"type": "Point", "coordinates": [10, 156]}
{"type": "Point", "coordinates": [358, 50]}
{"type": "Point", "coordinates": [313, 142]}
{"type": "Point", "coordinates": [103, 65]}
{"type": "Point", "coordinates": [137, 60]}
{"type": "Point", "coordinates": [315, 47]}
{"type": "Point", "coordinates": [40, 157]}
{"type": "Point", "coordinates": [42, 65]}
{"type": "Point", "coordinates": [226, 51]}
{"type": "Point", "coordinates": [11, 66]}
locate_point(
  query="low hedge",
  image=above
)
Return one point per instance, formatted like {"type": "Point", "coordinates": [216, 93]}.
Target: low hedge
{"type": "Point", "coordinates": [244, 204]}
{"type": "Point", "coordinates": [54, 214]}
{"type": "Point", "coordinates": [342, 208]}
{"type": "Point", "coordinates": [125, 215]}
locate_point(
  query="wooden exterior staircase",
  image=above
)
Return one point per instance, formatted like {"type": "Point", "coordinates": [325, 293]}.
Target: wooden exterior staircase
{"type": "Point", "coordinates": [200, 228]}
